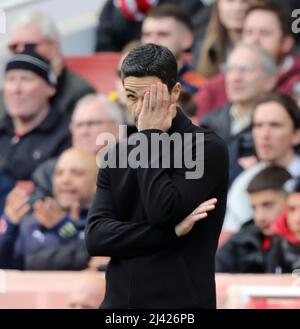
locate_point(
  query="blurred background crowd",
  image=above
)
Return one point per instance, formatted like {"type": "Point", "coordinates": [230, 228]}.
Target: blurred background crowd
{"type": "Point", "coordinates": [239, 66]}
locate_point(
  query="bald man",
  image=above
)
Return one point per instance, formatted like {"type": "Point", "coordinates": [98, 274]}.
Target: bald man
{"type": "Point", "coordinates": [51, 237]}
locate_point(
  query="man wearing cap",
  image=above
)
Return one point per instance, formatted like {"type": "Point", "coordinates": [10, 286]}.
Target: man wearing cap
{"type": "Point", "coordinates": [38, 30]}
{"type": "Point", "coordinates": [30, 133]}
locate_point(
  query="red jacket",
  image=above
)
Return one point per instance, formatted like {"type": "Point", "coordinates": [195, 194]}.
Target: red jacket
{"type": "Point", "coordinates": [281, 228]}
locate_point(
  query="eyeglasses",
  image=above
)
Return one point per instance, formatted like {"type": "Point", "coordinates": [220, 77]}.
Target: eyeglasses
{"type": "Point", "coordinates": [18, 47]}
{"type": "Point", "coordinates": [90, 124]}
{"type": "Point", "coordinates": [245, 68]}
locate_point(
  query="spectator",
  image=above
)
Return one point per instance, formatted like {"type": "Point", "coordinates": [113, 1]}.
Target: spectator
{"type": "Point", "coordinates": [37, 30]}
{"type": "Point", "coordinates": [250, 71]}
{"type": "Point", "coordinates": [30, 133]}
{"type": "Point", "coordinates": [170, 26]}
{"type": "Point", "coordinates": [276, 135]}
{"type": "Point", "coordinates": [248, 251]}
{"type": "Point", "coordinates": [53, 222]}
{"type": "Point", "coordinates": [223, 32]}
{"type": "Point", "coordinates": [93, 115]}
{"type": "Point", "coordinates": [118, 94]}
{"type": "Point", "coordinates": [286, 250]}
{"type": "Point", "coordinates": [120, 20]}
{"type": "Point", "coordinates": [269, 25]}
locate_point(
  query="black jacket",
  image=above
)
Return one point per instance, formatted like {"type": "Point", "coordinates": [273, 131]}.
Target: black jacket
{"type": "Point", "coordinates": [70, 88]}
{"type": "Point", "coordinates": [132, 220]}
{"type": "Point", "coordinates": [285, 256]}
{"type": "Point", "coordinates": [243, 252]}
{"type": "Point", "coordinates": [20, 156]}
{"type": "Point", "coordinates": [72, 256]}
{"type": "Point", "coordinates": [239, 145]}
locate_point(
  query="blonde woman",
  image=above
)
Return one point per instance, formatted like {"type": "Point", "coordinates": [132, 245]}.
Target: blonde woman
{"type": "Point", "coordinates": [223, 31]}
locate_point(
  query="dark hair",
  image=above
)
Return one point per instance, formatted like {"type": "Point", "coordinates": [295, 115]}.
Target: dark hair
{"type": "Point", "coordinates": [275, 7]}
{"type": "Point", "coordinates": [151, 60]}
{"type": "Point", "coordinates": [270, 178]}
{"type": "Point", "coordinates": [287, 102]}
{"type": "Point", "coordinates": [177, 12]}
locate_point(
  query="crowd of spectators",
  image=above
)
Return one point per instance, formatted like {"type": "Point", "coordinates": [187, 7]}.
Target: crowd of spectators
{"type": "Point", "coordinates": [239, 66]}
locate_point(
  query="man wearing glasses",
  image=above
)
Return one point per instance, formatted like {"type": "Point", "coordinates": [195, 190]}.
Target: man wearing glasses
{"type": "Point", "coordinates": [37, 31]}
{"type": "Point", "coordinates": [249, 72]}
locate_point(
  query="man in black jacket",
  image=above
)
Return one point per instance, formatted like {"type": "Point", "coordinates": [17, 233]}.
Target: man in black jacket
{"type": "Point", "coordinates": [249, 250]}
{"type": "Point", "coordinates": [38, 31]}
{"type": "Point", "coordinates": [31, 132]}
{"type": "Point", "coordinates": [161, 255]}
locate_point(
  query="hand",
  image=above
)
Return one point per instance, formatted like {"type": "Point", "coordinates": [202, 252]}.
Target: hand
{"type": "Point", "coordinates": [48, 213]}
{"type": "Point", "coordinates": [16, 205]}
{"type": "Point", "coordinates": [185, 226]}
{"type": "Point", "coordinates": [156, 110]}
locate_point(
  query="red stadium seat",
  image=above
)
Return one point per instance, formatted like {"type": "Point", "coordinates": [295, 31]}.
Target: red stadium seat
{"type": "Point", "coordinates": [98, 69]}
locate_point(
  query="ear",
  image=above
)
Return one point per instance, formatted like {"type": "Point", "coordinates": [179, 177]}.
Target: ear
{"type": "Point", "coordinates": [51, 91]}
{"type": "Point", "coordinates": [296, 137]}
{"type": "Point", "coordinates": [287, 44]}
{"type": "Point", "coordinates": [55, 50]}
{"type": "Point", "coordinates": [175, 93]}
{"type": "Point", "coordinates": [187, 40]}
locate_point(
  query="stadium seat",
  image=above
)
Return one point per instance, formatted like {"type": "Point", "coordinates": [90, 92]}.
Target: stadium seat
{"type": "Point", "coordinates": [98, 69]}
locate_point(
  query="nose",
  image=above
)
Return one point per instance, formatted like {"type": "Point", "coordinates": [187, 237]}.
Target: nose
{"type": "Point", "coordinates": [254, 38]}
{"type": "Point", "coordinates": [66, 178]}
{"type": "Point", "coordinates": [234, 75]}
{"type": "Point", "coordinates": [260, 216]}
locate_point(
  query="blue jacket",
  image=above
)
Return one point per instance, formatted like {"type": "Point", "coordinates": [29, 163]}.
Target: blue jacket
{"type": "Point", "coordinates": [17, 242]}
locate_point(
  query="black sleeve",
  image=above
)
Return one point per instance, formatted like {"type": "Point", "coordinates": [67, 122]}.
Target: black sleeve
{"type": "Point", "coordinates": [72, 256]}
{"type": "Point", "coordinates": [107, 235]}
{"type": "Point", "coordinates": [42, 178]}
{"type": "Point", "coordinates": [11, 252]}
{"type": "Point", "coordinates": [226, 257]}
{"type": "Point", "coordinates": [169, 198]}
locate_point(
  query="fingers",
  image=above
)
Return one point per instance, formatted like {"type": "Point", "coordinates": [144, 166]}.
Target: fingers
{"type": "Point", "coordinates": [22, 211]}
{"type": "Point", "coordinates": [146, 103]}
{"type": "Point", "coordinates": [159, 99]}
{"type": "Point", "coordinates": [208, 202]}
{"type": "Point", "coordinates": [153, 98]}
{"type": "Point", "coordinates": [203, 209]}
{"type": "Point", "coordinates": [159, 96]}
{"type": "Point", "coordinates": [138, 108]}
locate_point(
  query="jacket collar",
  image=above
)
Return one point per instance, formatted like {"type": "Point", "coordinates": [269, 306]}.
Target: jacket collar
{"type": "Point", "coordinates": [281, 228]}
{"type": "Point", "coordinates": [180, 122]}
{"type": "Point", "coordinates": [47, 124]}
